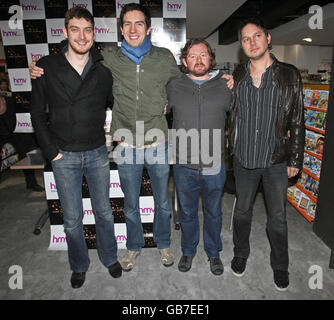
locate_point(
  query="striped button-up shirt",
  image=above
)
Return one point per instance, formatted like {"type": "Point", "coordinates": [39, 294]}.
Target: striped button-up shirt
{"type": "Point", "coordinates": [256, 121]}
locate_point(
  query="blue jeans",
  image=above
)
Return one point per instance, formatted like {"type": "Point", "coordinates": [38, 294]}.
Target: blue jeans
{"type": "Point", "coordinates": [130, 175]}
{"type": "Point", "coordinates": [275, 184]}
{"type": "Point", "coordinates": [68, 172]}
{"type": "Point", "coordinates": [189, 183]}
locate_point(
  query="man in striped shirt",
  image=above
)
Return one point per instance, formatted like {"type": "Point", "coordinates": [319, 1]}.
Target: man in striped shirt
{"type": "Point", "coordinates": [267, 137]}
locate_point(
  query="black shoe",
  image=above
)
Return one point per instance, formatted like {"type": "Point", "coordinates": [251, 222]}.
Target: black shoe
{"type": "Point", "coordinates": [216, 266]}
{"type": "Point", "coordinates": [185, 263]}
{"type": "Point", "coordinates": [238, 266]}
{"type": "Point", "coordinates": [281, 280]}
{"type": "Point", "coordinates": [36, 187]}
{"type": "Point", "coordinates": [115, 270]}
{"type": "Point", "coordinates": [78, 279]}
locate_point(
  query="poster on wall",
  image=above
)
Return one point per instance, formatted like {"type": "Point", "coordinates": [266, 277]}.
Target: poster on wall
{"type": "Point", "coordinates": [41, 25]}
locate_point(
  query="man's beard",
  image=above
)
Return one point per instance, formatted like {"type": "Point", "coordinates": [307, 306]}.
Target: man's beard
{"type": "Point", "coordinates": [75, 50]}
{"type": "Point", "coordinates": [199, 73]}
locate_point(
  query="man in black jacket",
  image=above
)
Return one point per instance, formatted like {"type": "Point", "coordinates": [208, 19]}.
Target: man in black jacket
{"type": "Point", "coordinates": [199, 99]}
{"type": "Point", "coordinates": [266, 136]}
{"type": "Point", "coordinates": [76, 87]}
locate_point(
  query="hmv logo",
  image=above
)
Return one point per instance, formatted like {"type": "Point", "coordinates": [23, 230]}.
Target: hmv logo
{"type": "Point", "coordinates": [9, 33]}
{"type": "Point", "coordinates": [82, 5]}
{"type": "Point", "coordinates": [19, 81]}
{"type": "Point", "coordinates": [88, 212]}
{"type": "Point", "coordinates": [37, 55]}
{"type": "Point", "coordinates": [53, 187]}
{"type": "Point", "coordinates": [120, 5]}
{"type": "Point", "coordinates": [23, 124]}
{"type": "Point", "coordinates": [174, 6]}
{"type": "Point", "coordinates": [29, 7]}
{"type": "Point", "coordinates": [120, 237]}
{"type": "Point", "coordinates": [115, 185]}
{"type": "Point", "coordinates": [58, 239]}
{"type": "Point", "coordinates": [146, 210]}
{"type": "Point", "coordinates": [102, 30]}
{"type": "Point", "coordinates": [56, 32]}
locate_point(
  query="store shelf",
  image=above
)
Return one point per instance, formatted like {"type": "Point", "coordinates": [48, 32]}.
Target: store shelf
{"type": "Point", "coordinates": [314, 154]}
{"type": "Point", "coordinates": [315, 129]}
{"type": "Point", "coordinates": [315, 133]}
{"type": "Point", "coordinates": [316, 109]}
{"type": "Point", "coordinates": [308, 193]}
{"type": "Point", "coordinates": [302, 211]}
{"type": "Point", "coordinates": [310, 173]}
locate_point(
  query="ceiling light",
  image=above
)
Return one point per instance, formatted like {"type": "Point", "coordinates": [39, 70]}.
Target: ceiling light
{"type": "Point", "coordinates": [307, 39]}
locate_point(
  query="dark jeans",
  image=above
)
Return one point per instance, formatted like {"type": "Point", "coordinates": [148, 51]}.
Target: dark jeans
{"type": "Point", "coordinates": [130, 174]}
{"type": "Point", "coordinates": [189, 183]}
{"type": "Point", "coordinates": [68, 172]}
{"type": "Point", "coordinates": [275, 183]}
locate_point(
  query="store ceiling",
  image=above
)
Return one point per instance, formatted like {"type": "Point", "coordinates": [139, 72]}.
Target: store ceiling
{"type": "Point", "coordinates": [287, 20]}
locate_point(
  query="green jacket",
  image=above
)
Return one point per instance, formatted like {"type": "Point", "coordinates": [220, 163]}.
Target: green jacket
{"type": "Point", "coordinates": [139, 91]}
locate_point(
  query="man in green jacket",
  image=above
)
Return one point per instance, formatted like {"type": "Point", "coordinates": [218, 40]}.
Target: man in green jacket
{"type": "Point", "coordinates": [140, 73]}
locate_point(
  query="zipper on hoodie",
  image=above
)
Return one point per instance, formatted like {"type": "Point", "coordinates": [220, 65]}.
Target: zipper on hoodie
{"type": "Point", "coordinates": [137, 88]}
{"type": "Point", "coordinates": [199, 125]}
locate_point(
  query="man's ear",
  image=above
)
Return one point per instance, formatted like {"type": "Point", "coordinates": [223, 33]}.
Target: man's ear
{"type": "Point", "coordinates": [269, 38]}
{"type": "Point", "coordinates": [65, 32]}
{"type": "Point", "coordinates": [184, 62]}
{"type": "Point", "coordinates": [148, 31]}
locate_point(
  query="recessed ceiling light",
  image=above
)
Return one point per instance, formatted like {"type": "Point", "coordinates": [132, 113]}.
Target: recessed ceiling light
{"type": "Point", "coordinates": [307, 39]}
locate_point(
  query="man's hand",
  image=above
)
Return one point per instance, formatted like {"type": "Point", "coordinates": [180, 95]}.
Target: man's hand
{"type": "Point", "coordinates": [230, 80]}
{"type": "Point", "coordinates": [59, 156]}
{"type": "Point", "coordinates": [35, 72]}
{"type": "Point", "coordinates": [292, 172]}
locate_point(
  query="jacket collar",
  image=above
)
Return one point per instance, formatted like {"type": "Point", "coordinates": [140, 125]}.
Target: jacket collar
{"type": "Point", "coordinates": [215, 74]}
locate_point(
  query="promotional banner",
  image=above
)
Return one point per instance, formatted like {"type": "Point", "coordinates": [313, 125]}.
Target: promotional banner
{"type": "Point", "coordinates": [146, 210]}
{"type": "Point", "coordinates": [32, 29]}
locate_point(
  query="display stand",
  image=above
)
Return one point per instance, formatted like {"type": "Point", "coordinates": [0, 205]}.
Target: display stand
{"type": "Point", "coordinates": [303, 195]}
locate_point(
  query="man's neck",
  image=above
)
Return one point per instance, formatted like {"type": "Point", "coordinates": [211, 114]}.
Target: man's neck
{"type": "Point", "coordinates": [262, 63]}
{"type": "Point", "coordinates": [76, 59]}
{"type": "Point", "coordinates": [204, 77]}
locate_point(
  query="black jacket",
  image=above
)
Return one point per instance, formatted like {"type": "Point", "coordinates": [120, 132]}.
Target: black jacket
{"type": "Point", "coordinates": [76, 107]}
{"type": "Point", "coordinates": [198, 107]}
{"type": "Point", "coordinates": [290, 113]}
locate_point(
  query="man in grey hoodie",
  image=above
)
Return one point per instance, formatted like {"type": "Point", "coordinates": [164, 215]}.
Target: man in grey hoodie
{"type": "Point", "coordinates": [199, 99]}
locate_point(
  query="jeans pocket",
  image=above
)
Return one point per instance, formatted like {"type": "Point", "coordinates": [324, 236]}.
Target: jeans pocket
{"type": "Point", "coordinates": [102, 150]}
{"type": "Point", "coordinates": [62, 153]}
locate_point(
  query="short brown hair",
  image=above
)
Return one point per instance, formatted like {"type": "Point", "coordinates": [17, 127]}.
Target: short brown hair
{"type": "Point", "coordinates": [78, 12]}
{"type": "Point", "coordinates": [192, 42]}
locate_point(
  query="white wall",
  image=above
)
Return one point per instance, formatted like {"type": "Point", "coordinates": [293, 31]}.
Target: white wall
{"type": "Point", "coordinates": [307, 57]}
{"type": "Point", "coordinates": [303, 57]}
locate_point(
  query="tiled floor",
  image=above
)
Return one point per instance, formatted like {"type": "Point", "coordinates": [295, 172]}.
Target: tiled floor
{"type": "Point", "coordinates": [46, 273]}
